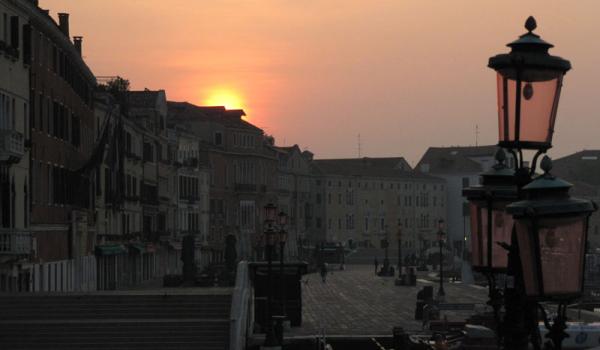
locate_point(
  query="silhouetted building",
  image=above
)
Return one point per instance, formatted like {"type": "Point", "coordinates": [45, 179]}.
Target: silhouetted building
{"type": "Point", "coordinates": [243, 166]}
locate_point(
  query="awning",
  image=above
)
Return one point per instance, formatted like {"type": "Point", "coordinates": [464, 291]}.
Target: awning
{"type": "Point", "coordinates": [110, 249]}
{"type": "Point", "coordinates": [137, 248]}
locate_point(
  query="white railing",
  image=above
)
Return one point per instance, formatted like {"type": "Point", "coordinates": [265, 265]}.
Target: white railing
{"type": "Point", "coordinates": [11, 144]}
{"type": "Point", "coordinates": [15, 242]}
{"type": "Point", "coordinates": [240, 308]}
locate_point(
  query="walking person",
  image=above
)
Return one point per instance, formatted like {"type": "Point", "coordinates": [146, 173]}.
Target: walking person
{"type": "Point", "coordinates": [376, 265]}
{"type": "Point", "coordinates": [324, 271]}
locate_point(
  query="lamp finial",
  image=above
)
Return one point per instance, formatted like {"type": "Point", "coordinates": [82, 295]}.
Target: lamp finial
{"type": "Point", "coordinates": [530, 24]}
{"type": "Point", "coordinates": [546, 164]}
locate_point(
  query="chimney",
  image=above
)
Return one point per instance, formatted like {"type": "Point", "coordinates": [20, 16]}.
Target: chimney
{"type": "Point", "coordinates": [63, 23]}
{"type": "Point", "coordinates": [77, 42]}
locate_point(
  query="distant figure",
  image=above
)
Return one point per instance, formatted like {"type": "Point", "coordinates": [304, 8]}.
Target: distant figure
{"type": "Point", "coordinates": [324, 271]}
{"type": "Point", "coordinates": [376, 265]}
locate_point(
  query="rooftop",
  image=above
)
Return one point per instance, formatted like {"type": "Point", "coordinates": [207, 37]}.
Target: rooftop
{"type": "Point", "coordinates": [448, 160]}
{"type": "Point", "coordinates": [579, 168]}
{"type": "Point", "coordinates": [396, 167]}
{"type": "Point", "coordinates": [185, 111]}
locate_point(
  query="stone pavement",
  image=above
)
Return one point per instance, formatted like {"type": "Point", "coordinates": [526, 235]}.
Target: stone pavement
{"type": "Point", "coordinates": [357, 302]}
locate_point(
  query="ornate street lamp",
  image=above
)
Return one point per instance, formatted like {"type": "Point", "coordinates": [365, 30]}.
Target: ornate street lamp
{"type": "Point", "coordinates": [270, 213]}
{"type": "Point", "coordinates": [546, 253]}
{"type": "Point", "coordinates": [491, 225]}
{"type": "Point", "coordinates": [529, 82]}
{"type": "Point", "coordinates": [441, 235]}
{"type": "Point", "coordinates": [551, 230]}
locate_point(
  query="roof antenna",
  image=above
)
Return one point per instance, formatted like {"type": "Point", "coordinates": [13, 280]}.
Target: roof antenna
{"type": "Point", "coordinates": [476, 135]}
{"type": "Point", "coordinates": [359, 147]}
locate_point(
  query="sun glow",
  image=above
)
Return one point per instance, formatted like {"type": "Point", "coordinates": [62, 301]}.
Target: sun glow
{"type": "Point", "coordinates": [224, 97]}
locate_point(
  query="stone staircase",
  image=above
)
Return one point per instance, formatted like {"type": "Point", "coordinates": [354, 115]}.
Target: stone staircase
{"type": "Point", "coordinates": [115, 321]}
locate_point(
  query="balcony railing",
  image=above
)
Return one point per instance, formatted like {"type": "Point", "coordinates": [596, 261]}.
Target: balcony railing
{"type": "Point", "coordinates": [12, 146]}
{"type": "Point", "coordinates": [15, 242]}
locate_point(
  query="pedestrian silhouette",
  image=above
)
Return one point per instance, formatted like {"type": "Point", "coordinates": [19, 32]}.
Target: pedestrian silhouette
{"type": "Point", "coordinates": [376, 265]}
{"type": "Point", "coordinates": [324, 271]}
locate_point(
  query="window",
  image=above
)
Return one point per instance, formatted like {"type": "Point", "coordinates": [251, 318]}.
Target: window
{"type": "Point", "coordinates": [14, 31]}
{"type": "Point", "coordinates": [318, 198]}
{"type": "Point", "coordinates": [75, 131]}
{"type": "Point", "coordinates": [218, 138]}
{"type": "Point", "coordinates": [148, 152]}
{"type": "Point", "coordinates": [318, 223]}
{"type": "Point", "coordinates": [26, 44]}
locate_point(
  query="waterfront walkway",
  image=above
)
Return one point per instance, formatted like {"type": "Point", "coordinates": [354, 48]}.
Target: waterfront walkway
{"type": "Point", "coordinates": [357, 302]}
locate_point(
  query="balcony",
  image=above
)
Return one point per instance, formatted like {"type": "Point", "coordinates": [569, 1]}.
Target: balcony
{"type": "Point", "coordinates": [15, 242]}
{"type": "Point", "coordinates": [12, 147]}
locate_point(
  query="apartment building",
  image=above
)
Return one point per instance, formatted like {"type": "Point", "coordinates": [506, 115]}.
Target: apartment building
{"type": "Point", "coordinates": [243, 165]}
{"type": "Point", "coordinates": [15, 235]}
{"type": "Point", "coordinates": [366, 200]}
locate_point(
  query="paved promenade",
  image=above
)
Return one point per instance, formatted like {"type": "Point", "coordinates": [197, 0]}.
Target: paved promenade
{"type": "Point", "coordinates": [357, 302]}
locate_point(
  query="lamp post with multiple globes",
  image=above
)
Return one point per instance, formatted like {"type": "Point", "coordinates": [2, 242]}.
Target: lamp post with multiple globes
{"type": "Point", "coordinates": [524, 225]}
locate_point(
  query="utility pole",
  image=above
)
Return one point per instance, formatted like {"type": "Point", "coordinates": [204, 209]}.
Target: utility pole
{"type": "Point", "coordinates": [359, 147]}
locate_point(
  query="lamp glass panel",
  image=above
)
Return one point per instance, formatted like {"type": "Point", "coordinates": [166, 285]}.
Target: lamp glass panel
{"type": "Point", "coordinates": [476, 235]}
{"type": "Point", "coordinates": [502, 225]}
{"type": "Point", "coordinates": [539, 100]}
{"type": "Point", "coordinates": [562, 247]}
{"type": "Point", "coordinates": [523, 227]}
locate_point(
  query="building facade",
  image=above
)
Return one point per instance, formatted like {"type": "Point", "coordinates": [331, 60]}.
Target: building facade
{"type": "Point", "coordinates": [460, 167]}
{"type": "Point", "coordinates": [15, 235]}
{"type": "Point", "coordinates": [243, 165]}
{"type": "Point", "coordinates": [367, 200]}
{"type": "Point", "coordinates": [294, 196]}
{"type": "Point", "coordinates": [62, 142]}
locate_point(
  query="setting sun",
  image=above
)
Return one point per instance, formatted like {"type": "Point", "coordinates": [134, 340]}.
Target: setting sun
{"type": "Point", "coordinates": [224, 97]}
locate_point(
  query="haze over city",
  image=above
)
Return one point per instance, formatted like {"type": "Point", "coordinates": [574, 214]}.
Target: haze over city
{"type": "Point", "coordinates": [404, 75]}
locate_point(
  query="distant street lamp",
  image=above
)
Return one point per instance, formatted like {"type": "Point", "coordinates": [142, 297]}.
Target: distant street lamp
{"type": "Point", "coordinates": [270, 238]}
{"type": "Point", "coordinates": [548, 228]}
{"type": "Point", "coordinates": [441, 235]}
{"type": "Point", "coordinates": [399, 236]}
{"type": "Point", "coordinates": [282, 218]}
{"type": "Point", "coordinates": [386, 259]}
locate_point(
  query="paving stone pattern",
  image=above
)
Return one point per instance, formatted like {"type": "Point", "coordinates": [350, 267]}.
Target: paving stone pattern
{"type": "Point", "coordinates": [357, 302]}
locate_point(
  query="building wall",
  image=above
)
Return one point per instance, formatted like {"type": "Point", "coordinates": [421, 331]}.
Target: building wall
{"type": "Point", "coordinates": [62, 134]}
{"type": "Point", "coordinates": [368, 210]}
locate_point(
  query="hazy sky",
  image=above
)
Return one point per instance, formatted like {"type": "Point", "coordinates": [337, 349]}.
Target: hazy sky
{"type": "Point", "coordinates": [404, 75]}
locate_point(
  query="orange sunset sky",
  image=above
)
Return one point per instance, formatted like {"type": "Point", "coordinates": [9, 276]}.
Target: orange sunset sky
{"type": "Point", "coordinates": [404, 74]}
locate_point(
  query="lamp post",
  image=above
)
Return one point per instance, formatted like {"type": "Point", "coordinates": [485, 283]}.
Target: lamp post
{"type": "Point", "coordinates": [441, 239]}
{"type": "Point", "coordinates": [270, 237]}
{"type": "Point", "coordinates": [399, 236]}
{"type": "Point", "coordinates": [386, 258]}
{"type": "Point", "coordinates": [282, 218]}
{"type": "Point", "coordinates": [545, 230]}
